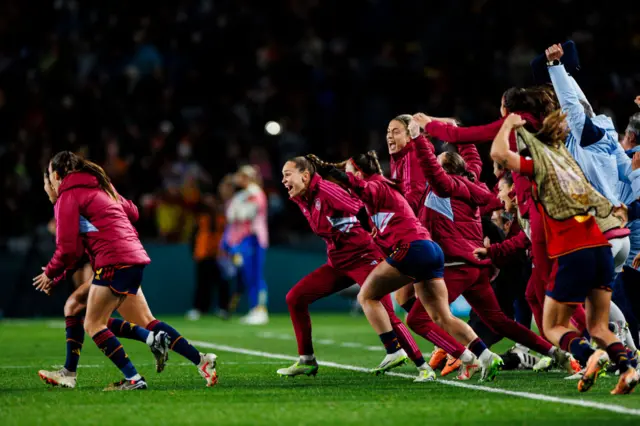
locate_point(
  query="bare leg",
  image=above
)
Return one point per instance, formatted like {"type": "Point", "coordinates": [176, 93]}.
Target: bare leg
{"type": "Point", "coordinates": [434, 297]}
{"type": "Point", "coordinates": [381, 281]}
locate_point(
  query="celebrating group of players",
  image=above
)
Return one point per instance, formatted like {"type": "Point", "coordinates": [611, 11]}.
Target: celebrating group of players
{"type": "Point", "coordinates": [563, 173]}
{"type": "Point", "coordinates": [418, 234]}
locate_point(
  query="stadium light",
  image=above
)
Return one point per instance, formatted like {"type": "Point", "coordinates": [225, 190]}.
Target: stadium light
{"type": "Point", "coordinates": [273, 128]}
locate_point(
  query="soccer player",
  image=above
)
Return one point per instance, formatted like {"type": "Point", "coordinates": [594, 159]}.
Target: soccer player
{"type": "Point", "coordinates": [415, 259]}
{"type": "Point", "coordinates": [351, 256]}
{"type": "Point", "coordinates": [88, 204]}
{"type": "Point", "coordinates": [583, 267]}
{"type": "Point", "coordinates": [74, 330]}
{"type": "Point", "coordinates": [452, 218]}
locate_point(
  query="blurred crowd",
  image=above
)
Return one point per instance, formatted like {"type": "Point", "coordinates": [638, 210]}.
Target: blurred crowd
{"type": "Point", "coordinates": [171, 96]}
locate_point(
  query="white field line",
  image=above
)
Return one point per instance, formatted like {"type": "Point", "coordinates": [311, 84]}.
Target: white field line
{"type": "Point", "coordinates": [323, 342]}
{"type": "Point", "coordinates": [527, 395]}
{"type": "Point", "coordinates": [171, 364]}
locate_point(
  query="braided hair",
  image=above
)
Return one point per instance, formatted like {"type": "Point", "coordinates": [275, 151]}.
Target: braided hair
{"type": "Point", "coordinates": [66, 162]}
{"type": "Point", "coordinates": [304, 164]}
{"type": "Point", "coordinates": [321, 164]}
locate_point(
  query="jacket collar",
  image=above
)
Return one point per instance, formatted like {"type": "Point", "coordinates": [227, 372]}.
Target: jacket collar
{"type": "Point", "coordinates": [403, 152]}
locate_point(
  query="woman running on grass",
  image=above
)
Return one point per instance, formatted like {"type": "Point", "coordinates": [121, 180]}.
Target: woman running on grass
{"type": "Point", "coordinates": [351, 256]}
{"type": "Point", "coordinates": [414, 258]}
{"type": "Point", "coordinates": [88, 204]}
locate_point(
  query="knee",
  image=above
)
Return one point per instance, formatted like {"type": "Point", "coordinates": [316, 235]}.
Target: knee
{"type": "Point", "coordinates": [73, 307]}
{"type": "Point", "coordinates": [92, 327]}
{"type": "Point", "coordinates": [293, 299]}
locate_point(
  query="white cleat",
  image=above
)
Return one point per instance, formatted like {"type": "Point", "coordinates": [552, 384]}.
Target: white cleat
{"type": "Point", "coordinates": [60, 377]}
{"type": "Point", "coordinates": [425, 374]}
{"type": "Point", "coordinates": [257, 316]}
{"type": "Point", "coordinates": [469, 369]}
{"type": "Point", "coordinates": [544, 364]}
{"type": "Point", "coordinates": [391, 361]}
{"type": "Point", "coordinates": [207, 368]}
{"type": "Point", "coordinates": [490, 367]}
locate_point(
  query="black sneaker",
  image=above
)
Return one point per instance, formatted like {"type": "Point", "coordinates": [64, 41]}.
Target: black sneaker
{"type": "Point", "coordinates": [124, 385]}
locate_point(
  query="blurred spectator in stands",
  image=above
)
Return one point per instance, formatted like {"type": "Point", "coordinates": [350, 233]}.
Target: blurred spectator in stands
{"type": "Point", "coordinates": [207, 236]}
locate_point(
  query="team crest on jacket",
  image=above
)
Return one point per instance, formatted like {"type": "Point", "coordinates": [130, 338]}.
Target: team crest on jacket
{"type": "Point", "coordinates": [317, 203]}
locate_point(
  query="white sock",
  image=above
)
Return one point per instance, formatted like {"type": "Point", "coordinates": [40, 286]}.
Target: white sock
{"type": "Point", "coordinates": [485, 356]}
{"type": "Point", "coordinates": [467, 356]}
{"type": "Point", "coordinates": [629, 339]}
{"type": "Point", "coordinates": [616, 315]}
{"type": "Point", "coordinates": [552, 351]}
{"type": "Point", "coordinates": [307, 358]}
{"type": "Point", "coordinates": [134, 378]}
{"type": "Point", "coordinates": [151, 338]}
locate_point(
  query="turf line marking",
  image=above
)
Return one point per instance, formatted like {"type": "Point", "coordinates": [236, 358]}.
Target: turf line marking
{"type": "Point", "coordinates": [527, 395]}
{"type": "Point", "coordinates": [138, 364]}
{"type": "Point", "coordinates": [326, 342]}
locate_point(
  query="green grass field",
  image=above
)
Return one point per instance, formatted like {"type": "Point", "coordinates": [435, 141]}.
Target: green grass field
{"type": "Point", "coordinates": [250, 393]}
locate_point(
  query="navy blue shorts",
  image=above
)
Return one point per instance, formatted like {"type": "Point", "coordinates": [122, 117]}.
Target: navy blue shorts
{"type": "Point", "coordinates": [121, 280]}
{"type": "Point", "coordinates": [422, 260]}
{"type": "Point", "coordinates": [575, 274]}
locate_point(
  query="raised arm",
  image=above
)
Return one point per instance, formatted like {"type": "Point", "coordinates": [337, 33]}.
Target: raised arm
{"type": "Point", "coordinates": [453, 134]}
{"type": "Point", "coordinates": [580, 125]}
{"type": "Point", "coordinates": [469, 153]}
{"type": "Point", "coordinates": [500, 151]}
{"type": "Point", "coordinates": [441, 183]}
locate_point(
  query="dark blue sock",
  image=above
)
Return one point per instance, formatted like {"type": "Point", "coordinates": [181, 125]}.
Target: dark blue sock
{"type": "Point", "coordinates": [111, 347]}
{"type": "Point", "coordinates": [619, 356]}
{"type": "Point", "coordinates": [75, 338]}
{"type": "Point", "coordinates": [577, 345]}
{"type": "Point", "coordinates": [178, 343]}
{"type": "Point", "coordinates": [128, 330]}
{"type": "Point", "coordinates": [477, 347]}
{"type": "Point", "coordinates": [390, 341]}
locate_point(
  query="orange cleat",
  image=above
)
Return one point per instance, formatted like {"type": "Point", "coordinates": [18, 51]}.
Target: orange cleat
{"type": "Point", "coordinates": [575, 365]}
{"type": "Point", "coordinates": [597, 361]}
{"type": "Point", "coordinates": [438, 359]}
{"type": "Point", "coordinates": [628, 381]}
{"type": "Point", "coordinates": [452, 366]}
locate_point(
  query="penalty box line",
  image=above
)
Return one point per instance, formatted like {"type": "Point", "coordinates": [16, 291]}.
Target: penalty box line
{"type": "Point", "coordinates": [527, 395]}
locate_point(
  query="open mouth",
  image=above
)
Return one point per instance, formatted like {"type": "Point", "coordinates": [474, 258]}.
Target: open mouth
{"type": "Point", "coordinates": [392, 145]}
{"type": "Point", "coordinates": [289, 188]}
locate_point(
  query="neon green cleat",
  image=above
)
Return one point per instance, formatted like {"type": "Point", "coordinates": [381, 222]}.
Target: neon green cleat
{"type": "Point", "coordinates": [391, 361]}
{"type": "Point", "coordinates": [425, 375]}
{"type": "Point", "coordinates": [544, 364]}
{"type": "Point", "coordinates": [491, 368]}
{"type": "Point", "coordinates": [298, 369]}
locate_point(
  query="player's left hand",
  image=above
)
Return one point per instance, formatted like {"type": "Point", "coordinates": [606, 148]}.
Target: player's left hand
{"type": "Point", "coordinates": [636, 261]}
{"type": "Point", "coordinates": [480, 253]}
{"type": "Point", "coordinates": [43, 283]}
{"type": "Point", "coordinates": [622, 213]}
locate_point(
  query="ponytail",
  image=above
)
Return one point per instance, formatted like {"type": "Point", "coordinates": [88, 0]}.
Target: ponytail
{"type": "Point", "coordinates": [454, 164]}
{"type": "Point", "coordinates": [554, 129]}
{"type": "Point", "coordinates": [66, 162]}
{"type": "Point", "coordinates": [320, 164]}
